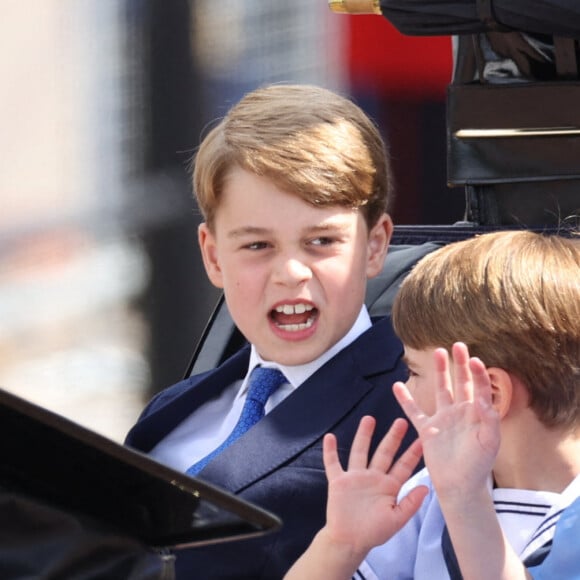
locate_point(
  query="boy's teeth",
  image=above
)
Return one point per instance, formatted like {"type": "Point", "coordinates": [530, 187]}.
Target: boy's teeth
{"type": "Point", "coordinates": [295, 327]}
{"type": "Point", "coordinates": [293, 308]}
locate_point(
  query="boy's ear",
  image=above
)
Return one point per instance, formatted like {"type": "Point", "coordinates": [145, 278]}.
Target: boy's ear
{"type": "Point", "coordinates": [209, 254]}
{"type": "Point", "coordinates": [378, 244]}
{"type": "Point", "coordinates": [502, 390]}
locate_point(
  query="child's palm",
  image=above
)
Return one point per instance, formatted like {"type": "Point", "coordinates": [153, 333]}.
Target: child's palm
{"type": "Point", "coordinates": [459, 444]}
{"type": "Point", "coordinates": [362, 508]}
{"type": "Point", "coordinates": [461, 439]}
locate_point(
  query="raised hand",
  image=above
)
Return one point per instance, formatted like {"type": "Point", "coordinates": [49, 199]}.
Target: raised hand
{"type": "Point", "coordinates": [461, 439]}
{"type": "Point", "coordinates": [363, 511]}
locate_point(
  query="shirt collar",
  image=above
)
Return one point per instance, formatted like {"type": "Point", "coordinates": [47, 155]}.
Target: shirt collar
{"type": "Point", "coordinates": [298, 374]}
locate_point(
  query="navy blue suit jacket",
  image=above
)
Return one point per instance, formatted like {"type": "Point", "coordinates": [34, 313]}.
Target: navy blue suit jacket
{"type": "Point", "coordinates": [278, 463]}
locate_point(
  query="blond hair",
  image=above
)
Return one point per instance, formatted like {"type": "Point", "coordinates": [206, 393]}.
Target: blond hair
{"type": "Point", "coordinates": [514, 298]}
{"type": "Point", "coordinates": [309, 141]}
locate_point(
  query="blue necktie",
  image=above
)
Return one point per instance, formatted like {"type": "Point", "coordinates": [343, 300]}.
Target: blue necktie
{"type": "Point", "coordinates": [263, 382]}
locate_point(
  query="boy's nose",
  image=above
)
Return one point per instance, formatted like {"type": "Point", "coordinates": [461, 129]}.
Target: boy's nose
{"type": "Point", "coordinates": [292, 271]}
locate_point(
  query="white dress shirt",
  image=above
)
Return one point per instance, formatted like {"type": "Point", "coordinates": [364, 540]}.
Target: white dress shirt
{"type": "Point", "coordinates": [209, 425]}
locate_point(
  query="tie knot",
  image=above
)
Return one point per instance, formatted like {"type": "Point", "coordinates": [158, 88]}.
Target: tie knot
{"type": "Point", "coordinates": [263, 382]}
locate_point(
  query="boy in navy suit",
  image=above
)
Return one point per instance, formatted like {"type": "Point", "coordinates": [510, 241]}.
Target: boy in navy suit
{"type": "Point", "coordinates": [294, 185]}
{"type": "Point", "coordinates": [501, 443]}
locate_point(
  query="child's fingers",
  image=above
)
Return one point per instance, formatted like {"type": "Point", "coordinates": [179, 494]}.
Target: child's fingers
{"type": "Point", "coordinates": [481, 382]}
{"type": "Point", "coordinates": [387, 449]}
{"type": "Point", "coordinates": [411, 409]}
{"type": "Point", "coordinates": [406, 464]}
{"type": "Point", "coordinates": [330, 458]}
{"type": "Point", "coordinates": [443, 384]}
{"type": "Point", "coordinates": [359, 451]}
{"type": "Point", "coordinates": [483, 400]}
{"type": "Point", "coordinates": [462, 379]}
{"type": "Point", "coordinates": [409, 504]}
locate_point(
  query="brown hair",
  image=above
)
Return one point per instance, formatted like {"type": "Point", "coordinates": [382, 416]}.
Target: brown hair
{"type": "Point", "coordinates": [309, 141]}
{"type": "Point", "coordinates": [514, 298]}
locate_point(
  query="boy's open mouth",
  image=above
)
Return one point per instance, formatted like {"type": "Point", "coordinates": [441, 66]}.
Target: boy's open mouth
{"type": "Point", "coordinates": [294, 317]}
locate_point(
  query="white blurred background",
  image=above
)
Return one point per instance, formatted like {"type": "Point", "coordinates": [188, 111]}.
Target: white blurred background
{"type": "Point", "coordinates": [102, 296]}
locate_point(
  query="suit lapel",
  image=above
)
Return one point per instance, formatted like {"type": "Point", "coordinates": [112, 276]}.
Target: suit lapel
{"type": "Point", "coordinates": [315, 408]}
{"type": "Point", "coordinates": [186, 396]}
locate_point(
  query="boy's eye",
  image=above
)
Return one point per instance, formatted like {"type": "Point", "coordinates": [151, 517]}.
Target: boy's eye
{"type": "Point", "coordinates": [256, 246]}
{"type": "Point", "coordinates": [411, 373]}
{"type": "Point", "coordinates": [322, 241]}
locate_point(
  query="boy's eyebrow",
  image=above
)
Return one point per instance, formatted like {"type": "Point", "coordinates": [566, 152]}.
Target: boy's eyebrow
{"type": "Point", "coordinates": [326, 227]}
{"type": "Point", "coordinates": [246, 231]}
{"type": "Point", "coordinates": [255, 230]}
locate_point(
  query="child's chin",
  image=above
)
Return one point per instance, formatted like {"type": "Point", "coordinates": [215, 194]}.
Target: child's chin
{"type": "Point", "coordinates": [292, 355]}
